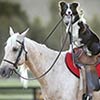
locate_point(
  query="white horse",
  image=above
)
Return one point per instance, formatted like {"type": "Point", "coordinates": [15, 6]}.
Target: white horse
{"type": "Point", "coordinates": [58, 84]}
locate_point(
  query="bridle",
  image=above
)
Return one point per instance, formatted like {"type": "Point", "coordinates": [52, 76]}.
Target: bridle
{"type": "Point", "coordinates": [19, 55]}
{"type": "Point", "coordinates": [15, 64]}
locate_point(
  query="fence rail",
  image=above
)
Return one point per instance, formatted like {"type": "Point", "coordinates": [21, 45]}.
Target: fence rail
{"type": "Point", "coordinates": [20, 93]}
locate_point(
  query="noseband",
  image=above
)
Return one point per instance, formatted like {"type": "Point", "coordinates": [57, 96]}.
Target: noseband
{"type": "Point", "coordinates": [19, 55]}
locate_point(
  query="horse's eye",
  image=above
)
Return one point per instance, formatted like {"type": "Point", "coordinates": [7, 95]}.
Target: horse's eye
{"type": "Point", "coordinates": [15, 49]}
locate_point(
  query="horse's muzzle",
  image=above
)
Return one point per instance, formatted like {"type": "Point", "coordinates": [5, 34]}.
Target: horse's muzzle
{"type": "Point", "coordinates": [6, 72]}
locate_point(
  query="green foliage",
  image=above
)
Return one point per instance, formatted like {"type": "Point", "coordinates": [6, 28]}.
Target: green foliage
{"type": "Point", "coordinates": [8, 9]}
{"type": "Point", "coordinates": [37, 30]}
{"type": "Point", "coordinates": [10, 15]}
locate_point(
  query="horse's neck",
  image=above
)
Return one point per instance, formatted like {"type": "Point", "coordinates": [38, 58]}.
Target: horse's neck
{"type": "Point", "coordinates": [40, 57]}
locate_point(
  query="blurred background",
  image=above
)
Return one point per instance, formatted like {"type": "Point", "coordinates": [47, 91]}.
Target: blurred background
{"type": "Point", "coordinates": [40, 16]}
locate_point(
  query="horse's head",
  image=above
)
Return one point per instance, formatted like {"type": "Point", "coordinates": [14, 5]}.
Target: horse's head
{"type": "Point", "coordinates": [14, 53]}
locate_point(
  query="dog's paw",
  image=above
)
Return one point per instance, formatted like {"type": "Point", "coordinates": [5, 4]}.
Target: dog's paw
{"type": "Point", "coordinates": [87, 51]}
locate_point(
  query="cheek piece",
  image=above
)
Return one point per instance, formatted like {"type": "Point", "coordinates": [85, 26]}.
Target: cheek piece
{"type": "Point", "coordinates": [19, 55]}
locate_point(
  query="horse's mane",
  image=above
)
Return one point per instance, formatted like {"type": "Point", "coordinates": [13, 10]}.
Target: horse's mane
{"type": "Point", "coordinates": [40, 45]}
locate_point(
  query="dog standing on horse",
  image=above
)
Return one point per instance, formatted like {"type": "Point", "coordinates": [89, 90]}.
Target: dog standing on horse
{"type": "Point", "coordinates": [85, 45]}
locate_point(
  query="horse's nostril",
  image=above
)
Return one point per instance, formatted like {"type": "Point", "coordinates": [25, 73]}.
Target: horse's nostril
{"type": "Point", "coordinates": [3, 72]}
{"type": "Point", "coordinates": [6, 72]}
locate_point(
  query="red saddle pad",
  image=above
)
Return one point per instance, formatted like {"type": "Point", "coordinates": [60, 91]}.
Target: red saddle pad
{"type": "Point", "coordinates": [74, 69]}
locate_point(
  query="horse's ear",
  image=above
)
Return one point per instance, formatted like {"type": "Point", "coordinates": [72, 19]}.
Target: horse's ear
{"type": "Point", "coordinates": [25, 32]}
{"type": "Point", "coordinates": [11, 32]}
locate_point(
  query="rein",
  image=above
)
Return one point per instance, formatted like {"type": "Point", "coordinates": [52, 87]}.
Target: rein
{"type": "Point", "coordinates": [70, 29]}
{"type": "Point", "coordinates": [48, 70]}
{"type": "Point", "coordinates": [23, 48]}
{"type": "Point", "coordinates": [63, 44]}
{"type": "Point", "coordinates": [53, 30]}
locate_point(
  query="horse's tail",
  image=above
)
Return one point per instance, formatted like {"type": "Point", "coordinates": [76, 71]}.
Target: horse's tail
{"type": "Point", "coordinates": [23, 72]}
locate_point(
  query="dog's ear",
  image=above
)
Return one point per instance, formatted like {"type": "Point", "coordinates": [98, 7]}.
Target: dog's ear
{"type": "Point", "coordinates": [62, 7]}
{"type": "Point", "coordinates": [75, 4]}
{"type": "Point", "coordinates": [61, 3]}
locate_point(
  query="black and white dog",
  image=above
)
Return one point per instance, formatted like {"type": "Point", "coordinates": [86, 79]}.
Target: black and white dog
{"type": "Point", "coordinates": [83, 36]}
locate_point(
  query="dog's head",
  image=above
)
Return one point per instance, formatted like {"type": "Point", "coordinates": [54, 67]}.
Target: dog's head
{"type": "Point", "coordinates": [67, 10]}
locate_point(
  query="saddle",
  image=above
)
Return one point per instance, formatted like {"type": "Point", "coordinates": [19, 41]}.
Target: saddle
{"type": "Point", "coordinates": [87, 64]}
